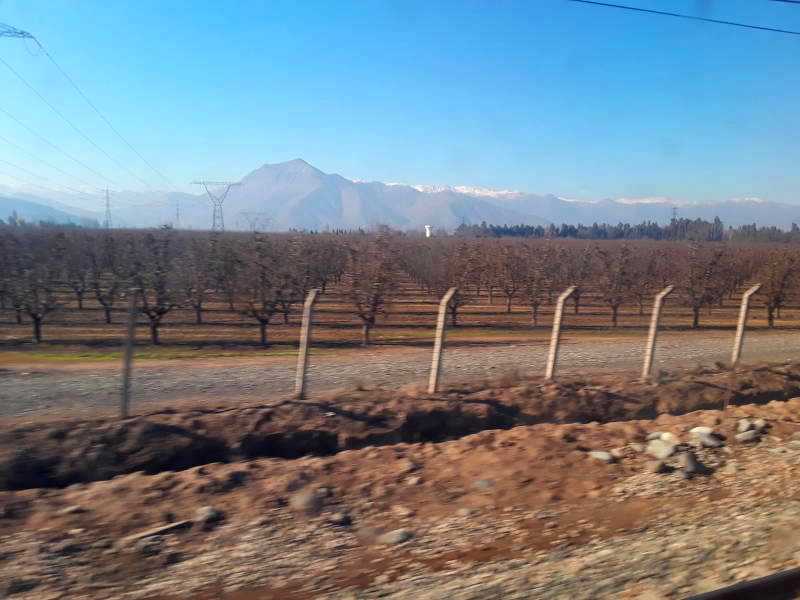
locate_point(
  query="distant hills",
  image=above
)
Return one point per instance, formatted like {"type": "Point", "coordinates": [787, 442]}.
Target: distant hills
{"type": "Point", "coordinates": [36, 210]}
{"type": "Point", "coordinates": [296, 195]}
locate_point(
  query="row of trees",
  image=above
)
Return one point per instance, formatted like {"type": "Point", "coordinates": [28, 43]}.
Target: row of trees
{"type": "Point", "coordinates": [698, 230]}
{"type": "Point", "coordinates": [257, 275]}
{"type": "Point", "coordinates": [263, 277]}
{"type": "Point", "coordinates": [618, 274]}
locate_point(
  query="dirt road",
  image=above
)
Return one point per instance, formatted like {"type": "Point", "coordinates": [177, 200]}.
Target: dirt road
{"type": "Point", "coordinates": [54, 389]}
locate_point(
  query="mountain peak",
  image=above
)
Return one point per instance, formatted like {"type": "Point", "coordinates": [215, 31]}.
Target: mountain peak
{"type": "Point", "coordinates": [298, 164]}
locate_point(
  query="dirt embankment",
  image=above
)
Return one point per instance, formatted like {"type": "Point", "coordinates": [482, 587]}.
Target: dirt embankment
{"type": "Point", "coordinates": [38, 455]}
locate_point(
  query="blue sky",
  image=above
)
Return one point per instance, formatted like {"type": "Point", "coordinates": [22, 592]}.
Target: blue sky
{"type": "Point", "coordinates": [546, 96]}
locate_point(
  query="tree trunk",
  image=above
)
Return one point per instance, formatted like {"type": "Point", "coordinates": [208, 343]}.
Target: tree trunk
{"type": "Point", "coordinates": [576, 298]}
{"type": "Point", "coordinates": [614, 314]}
{"type": "Point", "coordinates": [19, 316]}
{"type": "Point", "coordinates": [508, 304]}
{"type": "Point", "coordinates": [37, 329]}
{"type": "Point", "coordinates": [771, 316]}
{"type": "Point", "coordinates": [2, 301]}
{"type": "Point", "coordinates": [696, 317]}
{"type": "Point", "coordinates": [365, 330]}
{"type": "Point", "coordinates": [490, 289]}
{"type": "Point", "coordinates": [262, 328]}
{"type": "Point", "coordinates": [80, 300]}
{"type": "Point", "coordinates": [107, 310]}
{"type": "Point", "coordinates": [641, 307]}
{"type": "Point", "coordinates": [454, 316]}
{"type": "Point", "coordinates": [286, 317]}
{"type": "Point", "coordinates": [154, 325]}
{"type": "Point", "coordinates": [198, 314]}
{"type": "Point", "coordinates": [535, 314]}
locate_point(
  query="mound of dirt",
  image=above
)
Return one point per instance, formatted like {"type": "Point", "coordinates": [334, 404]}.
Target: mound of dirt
{"type": "Point", "coordinates": [63, 453]}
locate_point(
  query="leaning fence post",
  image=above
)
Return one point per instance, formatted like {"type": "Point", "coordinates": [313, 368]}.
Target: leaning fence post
{"type": "Point", "coordinates": [653, 333]}
{"type": "Point", "coordinates": [552, 356]}
{"type": "Point", "coordinates": [127, 365]}
{"type": "Point", "coordinates": [441, 322]}
{"type": "Point", "coordinates": [305, 339]}
{"type": "Point", "coordinates": [737, 342]}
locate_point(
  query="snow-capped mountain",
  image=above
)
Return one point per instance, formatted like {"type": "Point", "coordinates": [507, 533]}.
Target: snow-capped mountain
{"type": "Point", "coordinates": [296, 195]}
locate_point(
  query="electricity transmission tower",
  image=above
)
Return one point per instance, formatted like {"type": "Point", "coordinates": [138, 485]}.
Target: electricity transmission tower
{"type": "Point", "coordinates": [13, 32]}
{"type": "Point", "coordinates": [256, 219]}
{"type": "Point", "coordinates": [108, 223]}
{"type": "Point", "coordinates": [217, 200]}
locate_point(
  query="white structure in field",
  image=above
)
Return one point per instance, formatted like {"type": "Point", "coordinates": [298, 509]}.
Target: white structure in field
{"type": "Point", "coordinates": [427, 231]}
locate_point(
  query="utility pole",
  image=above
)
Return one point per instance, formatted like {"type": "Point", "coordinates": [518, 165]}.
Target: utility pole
{"type": "Point", "coordinates": [256, 219]}
{"type": "Point", "coordinates": [108, 223]}
{"type": "Point", "coordinates": [217, 200]}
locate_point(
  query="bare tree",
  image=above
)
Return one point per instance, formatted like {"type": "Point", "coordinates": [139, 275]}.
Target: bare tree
{"type": "Point", "coordinates": [155, 273]}
{"type": "Point", "coordinates": [509, 273]}
{"type": "Point", "coordinates": [578, 268]}
{"type": "Point", "coordinates": [537, 276]}
{"type": "Point", "coordinates": [615, 278]}
{"type": "Point", "coordinates": [701, 278]}
{"type": "Point", "coordinates": [197, 270]}
{"type": "Point", "coordinates": [372, 278]}
{"type": "Point", "coordinates": [777, 276]}
{"type": "Point", "coordinates": [76, 262]}
{"type": "Point", "coordinates": [108, 271]}
{"type": "Point", "coordinates": [264, 281]}
{"type": "Point", "coordinates": [35, 276]}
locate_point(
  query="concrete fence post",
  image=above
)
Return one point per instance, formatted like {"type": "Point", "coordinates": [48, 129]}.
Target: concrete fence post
{"type": "Point", "coordinates": [555, 337]}
{"type": "Point", "coordinates": [127, 360]}
{"type": "Point", "coordinates": [652, 334]}
{"type": "Point", "coordinates": [305, 340]}
{"type": "Point", "coordinates": [743, 310]}
{"type": "Point", "coordinates": [438, 346]}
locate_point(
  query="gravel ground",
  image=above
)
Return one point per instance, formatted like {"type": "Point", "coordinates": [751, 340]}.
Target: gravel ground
{"type": "Point", "coordinates": [651, 536]}
{"type": "Point", "coordinates": [49, 389]}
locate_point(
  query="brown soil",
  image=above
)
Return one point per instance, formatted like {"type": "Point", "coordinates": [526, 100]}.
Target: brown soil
{"type": "Point", "coordinates": [42, 454]}
{"type": "Point", "coordinates": [161, 467]}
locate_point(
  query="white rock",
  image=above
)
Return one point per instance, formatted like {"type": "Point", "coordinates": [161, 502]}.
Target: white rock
{"type": "Point", "coordinates": [670, 438]}
{"type": "Point", "coordinates": [660, 449]}
{"type": "Point", "coordinates": [701, 429]}
{"type": "Point", "coordinates": [397, 536]}
{"type": "Point", "coordinates": [748, 436]}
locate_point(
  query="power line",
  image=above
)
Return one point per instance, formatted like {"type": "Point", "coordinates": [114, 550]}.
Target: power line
{"type": "Point", "coordinates": [682, 16]}
{"type": "Point", "coordinates": [58, 149]}
{"type": "Point", "coordinates": [71, 124]}
{"type": "Point", "coordinates": [38, 176]}
{"type": "Point", "coordinates": [101, 115]}
{"type": "Point", "coordinates": [8, 31]}
{"type": "Point", "coordinates": [41, 160]}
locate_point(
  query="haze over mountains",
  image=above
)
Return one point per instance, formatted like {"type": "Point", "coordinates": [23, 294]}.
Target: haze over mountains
{"type": "Point", "coordinates": [296, 195]}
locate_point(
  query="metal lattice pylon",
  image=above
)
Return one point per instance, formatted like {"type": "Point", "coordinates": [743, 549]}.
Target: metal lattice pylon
{"type": "Point", "coordinates": [217, 200]}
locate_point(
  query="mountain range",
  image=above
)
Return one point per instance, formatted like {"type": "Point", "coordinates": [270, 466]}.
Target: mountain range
{"type": "Point", "coordinates": [296, 195]}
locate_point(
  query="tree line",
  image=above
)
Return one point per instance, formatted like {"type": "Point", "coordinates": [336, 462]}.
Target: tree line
{"type": "Point", "coordinates": [697, 230]}
{"type": "Point", "coordinates": [263, 277]}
